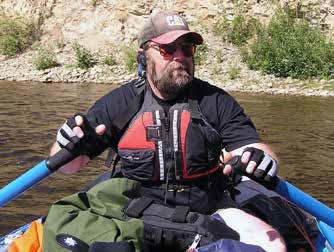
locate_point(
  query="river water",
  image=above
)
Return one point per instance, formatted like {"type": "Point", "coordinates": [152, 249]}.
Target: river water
{"type": "Point", "coordinates": [300, 129]}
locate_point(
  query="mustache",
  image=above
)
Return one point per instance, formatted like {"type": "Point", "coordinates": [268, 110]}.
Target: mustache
{"type": "Point", "coordinates": [178, 66]}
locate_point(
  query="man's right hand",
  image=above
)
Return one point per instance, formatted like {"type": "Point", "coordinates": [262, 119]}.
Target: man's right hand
{"type": "Point", "coordinates": [78, 137]}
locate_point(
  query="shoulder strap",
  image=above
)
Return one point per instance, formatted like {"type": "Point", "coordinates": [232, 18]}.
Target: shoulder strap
{"type": "Point", "coordinates": [194, 108]}
{"type": "Point", "coordinates": [195, 112]}
{"type": "Point", "coordinates": [120, 122]}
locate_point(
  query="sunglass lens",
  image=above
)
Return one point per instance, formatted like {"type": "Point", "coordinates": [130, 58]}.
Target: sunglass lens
{"type": "Point", "coordinates": [188, 50]}
{"type": "Point", "coordinates": [168, 49]}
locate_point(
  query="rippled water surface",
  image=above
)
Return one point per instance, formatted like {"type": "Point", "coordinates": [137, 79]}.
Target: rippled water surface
{"type": "Point", "coordinates": [300, 129]}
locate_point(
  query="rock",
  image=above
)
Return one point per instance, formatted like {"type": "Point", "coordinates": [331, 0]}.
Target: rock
{"type": "Point", "coordinates": [111, 25]}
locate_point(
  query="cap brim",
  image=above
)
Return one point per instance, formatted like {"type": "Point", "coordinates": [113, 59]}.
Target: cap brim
{"type": "Point", "coordinates": [171, 36]}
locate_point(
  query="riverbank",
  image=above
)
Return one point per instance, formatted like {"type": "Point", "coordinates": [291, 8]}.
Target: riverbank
{"type": "Point", "coordinates": [229, 72]}
{"type": "Point", "coordinates": [106, 28]}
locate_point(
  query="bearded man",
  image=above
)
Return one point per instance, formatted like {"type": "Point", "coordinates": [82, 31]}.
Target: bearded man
{"type": "Point", "coordinates": [169, 129]}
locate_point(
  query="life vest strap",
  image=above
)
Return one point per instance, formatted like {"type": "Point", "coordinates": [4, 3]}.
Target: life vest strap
{"type": "Point", "coordinates": [180, 214]}
{"type": "Point", "coordinates": [121, 121]}
{"type": "Point", "coordinates": [138, 206]}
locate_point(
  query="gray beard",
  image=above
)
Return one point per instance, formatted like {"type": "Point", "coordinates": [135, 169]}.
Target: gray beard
{"type": "Point", "coordinates": [174, 80]}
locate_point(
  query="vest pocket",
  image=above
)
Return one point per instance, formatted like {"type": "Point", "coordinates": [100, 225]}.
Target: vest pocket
{"type": "Point", "coordinates": [203, 147]}
{"type": "Point", "coordinates": [137, 164]}
{"type": "Point", "coordinates": [196, 151]}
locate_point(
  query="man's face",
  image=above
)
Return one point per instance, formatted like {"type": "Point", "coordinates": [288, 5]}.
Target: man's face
{"type": "Point", "coordinates": [170, 67]}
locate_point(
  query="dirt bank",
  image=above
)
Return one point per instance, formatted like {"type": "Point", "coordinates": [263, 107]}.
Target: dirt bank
{"type": "Point", "coordinates": [107, 27]}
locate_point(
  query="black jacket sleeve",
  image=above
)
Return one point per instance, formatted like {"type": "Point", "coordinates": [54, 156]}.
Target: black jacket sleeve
{"type": "Point", "coordinates": [106, 110]}
{"type": "Point", "coordinates": [226, 115]}
{"type": "Point", "coordinates": [236, 128]}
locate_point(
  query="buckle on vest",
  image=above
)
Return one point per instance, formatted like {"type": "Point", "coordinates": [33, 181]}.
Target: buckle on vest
{"type": "Point", "coordinates": [153, 133]}
{"type": "Point", "coordinates": [176, 190]}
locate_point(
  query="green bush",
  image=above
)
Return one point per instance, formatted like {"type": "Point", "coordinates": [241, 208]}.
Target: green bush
{"type": "Point", "coordinates": [130, 58]}
{"type": "Point", "coordinates": [84, 58]}
{"type": "Point", "coordinates": [44, 59]}
{"type": "Point", "coordinates": [242, 29]}
{"type": "Point", "coordinates": [291, 47]}
{"type": "Point", "coordinates": [109, 60]}
{"type": "Point", "coordinates": [201, 56]}
{"type": "Point", "coordinates": [221, 27]}
{"type": "Point", "coordinates": [234, 72]}
{"type": "Point", "coordinates": [237, 32]}
{"type": "Point", "coordinates": [16, 34]}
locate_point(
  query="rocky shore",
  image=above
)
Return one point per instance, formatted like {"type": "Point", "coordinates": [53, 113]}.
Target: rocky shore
{"type": "Point", "coordinates": [231, 74]}
{"type": "Point", "coordinates": [107, 27]}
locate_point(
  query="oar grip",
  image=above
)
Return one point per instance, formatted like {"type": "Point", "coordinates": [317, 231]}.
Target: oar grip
{"type": "Point", "coordinates": [61, 158]}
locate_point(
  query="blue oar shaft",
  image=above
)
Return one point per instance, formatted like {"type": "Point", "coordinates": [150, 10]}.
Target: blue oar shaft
{"type": "Point", "coordinates": [23, 183]}
{"type": "Point", "coordinates": [327, 232]}
{"type": "Point", "coordinates": [33, 176]}
{"type": "Point", "coordinates": [306, 202]}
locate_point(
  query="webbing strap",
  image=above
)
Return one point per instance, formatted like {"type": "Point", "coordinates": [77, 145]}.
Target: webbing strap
{"type": "Point", "coordinates": [195, 112]}
{"type": "Point", "coordinates": [110, 158]}
{"type": "Point", "coordinates": [121, 121]}
{"type": "Point", "coordinates": [137, 207]}
{"type": "Point", "coordinates": [180, 214]}
{"type": "Point", "coordinates": [194, 109]}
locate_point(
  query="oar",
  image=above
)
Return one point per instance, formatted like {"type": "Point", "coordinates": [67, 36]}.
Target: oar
{"type": "Point", "coordinates": [34, 175]}
{"type": "Point", "coordinates": [323, 213]}
{"type": "Point", "coordinates": [305, 201]}
{"type": "Point", "coordinates": [292, 193]}
{"type": "Point", "coordinates": [327, 232]}
{"type": "Point", "coordinates": [320, 211]}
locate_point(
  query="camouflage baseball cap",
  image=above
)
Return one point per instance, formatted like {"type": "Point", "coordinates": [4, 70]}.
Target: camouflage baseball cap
{"type": "Point", "coordinates": [165, 27]}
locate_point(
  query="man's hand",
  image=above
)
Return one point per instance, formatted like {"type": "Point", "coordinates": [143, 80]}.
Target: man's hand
{"type": "Point", "coordinates": [257, 163]}
{"type": "Point", "coordinates": [78, 137]}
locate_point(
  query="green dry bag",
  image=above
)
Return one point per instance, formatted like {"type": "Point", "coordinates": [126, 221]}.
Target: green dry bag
{"type": "Point", "coordinates": [95, 220]}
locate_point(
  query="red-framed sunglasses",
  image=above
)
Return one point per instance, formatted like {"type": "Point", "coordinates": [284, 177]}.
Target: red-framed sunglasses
{"type": "Point", "coordinates": [167, 50]}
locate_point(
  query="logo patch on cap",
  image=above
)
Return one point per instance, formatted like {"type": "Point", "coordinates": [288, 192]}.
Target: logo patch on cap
{"type": "Point", "coordinates": [175, 20]}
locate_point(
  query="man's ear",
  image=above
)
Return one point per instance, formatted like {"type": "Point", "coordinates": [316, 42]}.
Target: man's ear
{"type": "Point", "coordinates": [141, 58]}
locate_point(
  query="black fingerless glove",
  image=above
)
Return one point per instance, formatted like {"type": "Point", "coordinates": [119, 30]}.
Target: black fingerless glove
{"type": "Point", "coordinates": [265, 170]}
{"type": "Point", "coordinates": [266, 166]}
{"type": "Point", "coordinates": [88, 145]}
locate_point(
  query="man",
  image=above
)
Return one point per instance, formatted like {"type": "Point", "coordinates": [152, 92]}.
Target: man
{"type": "Point", "coordinates": [174, 135]}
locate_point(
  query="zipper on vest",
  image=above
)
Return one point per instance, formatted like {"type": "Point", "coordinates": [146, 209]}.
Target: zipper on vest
{"type": "Point", "coordinates": [167, 123]}
{"type": "Point", "coordinates": [168, 145]}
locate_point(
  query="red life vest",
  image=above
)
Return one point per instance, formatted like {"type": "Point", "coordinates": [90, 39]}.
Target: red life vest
{"type": "Point", "coordinates": [180, 145]}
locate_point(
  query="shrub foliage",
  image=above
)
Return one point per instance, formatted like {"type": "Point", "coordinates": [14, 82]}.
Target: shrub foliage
{"type": "Point", "coordinates": [84, 58]}
{"type": "Point", "coordinates": [44, 59]}
{"type": "Point", "coordinates": [16, 34]}
{"type": "Point", "coordinates": [238, 31]}
{"type": "Point", "coordinates": [109, 60]}
{"type": "Point", "coordinates": [291, 47]}
{"type": "Point", "coordinates": [201, 54]}
{"type": "Point", "coordinates": [130, 57]}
